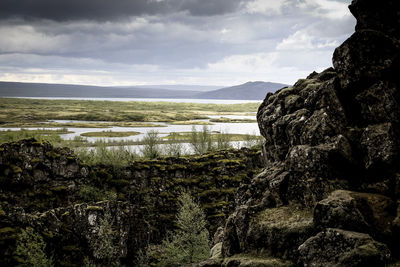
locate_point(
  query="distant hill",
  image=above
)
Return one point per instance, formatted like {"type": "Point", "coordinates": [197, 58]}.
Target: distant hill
{"type": "Point", "coordinates": [16, 89]}
{"type": "Point", "coordinates": [246, 91]}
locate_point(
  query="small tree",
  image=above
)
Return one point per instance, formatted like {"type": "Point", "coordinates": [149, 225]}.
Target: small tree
{"type": "Point", "coordinates": [189, 243]}
{"type": "Point", "coordinates": [150, 145]}
{"type": "Point", "coordinates": [174, 146]}
{"type": "Point", "coordinates": [223, 141]}
{"type": "Point", "coordinates": [31, 249]}
{"type": "Point", "coordinates": [201, 141]}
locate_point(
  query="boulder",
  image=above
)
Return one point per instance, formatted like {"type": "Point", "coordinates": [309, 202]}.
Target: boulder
{"type": "Point", "coordinates": [355, 211]}
{"type": "Point", "coordinates": [336, 247]}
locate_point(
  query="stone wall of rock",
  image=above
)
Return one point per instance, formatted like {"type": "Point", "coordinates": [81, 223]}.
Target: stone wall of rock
{"type": "Point", "coordinates": [329, 194]}
{"type": "Point", "coordinates": [65, 201]}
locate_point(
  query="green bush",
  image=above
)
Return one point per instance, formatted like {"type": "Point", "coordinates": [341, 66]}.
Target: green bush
{"type": "Point", "coordinates": [201, 141]}
{"type": "Point", "coordinates": [174, 148]}
{"type": "Point", "coordinates": [31, 250]}
{"type": "Point", "coordinates": [150, 145]}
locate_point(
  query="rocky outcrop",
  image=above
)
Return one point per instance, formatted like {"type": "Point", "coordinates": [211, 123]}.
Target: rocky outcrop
{"type": "Point", "coordinates": [65, 201]}
{"type": "Point", "coordinates": [328, 195]}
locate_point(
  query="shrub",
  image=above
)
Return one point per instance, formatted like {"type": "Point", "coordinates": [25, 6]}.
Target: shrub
{"type": "Point", "coordinates": [223, 141]}
{"type": "Point", "coordinates": [150, 145]}
{"type": "Point", "coordinates": [174, 146]}
{"type": "Point", "coordinates": [201, 142]}
{"type": "Point", "coordinates": [31, 249]}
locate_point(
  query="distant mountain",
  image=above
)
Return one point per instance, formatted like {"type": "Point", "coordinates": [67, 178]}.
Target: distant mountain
{"type": "Point", "coordinates": [16, 89]}
{"type": "Point", "coordinates": [246, 91]}
{"type": "Point", "coordinates": [202, 88]}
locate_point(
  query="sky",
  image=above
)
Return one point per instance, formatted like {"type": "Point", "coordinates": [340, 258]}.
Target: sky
{"type": "Point", "coordinates": [192, 42]}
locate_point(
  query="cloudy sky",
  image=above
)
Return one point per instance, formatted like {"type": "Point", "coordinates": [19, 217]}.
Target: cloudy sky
{"type": "Point", "coordinates": [142, 42]}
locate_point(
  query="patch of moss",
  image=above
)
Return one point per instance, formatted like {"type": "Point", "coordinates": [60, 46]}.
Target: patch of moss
{"type": "Point", "coordinates": [160, 167]}
{"type": "Point", "coordinates": [229, 191]}
{"type": "Point", "coordinates": [52, 154]}
{"type": "Point", "coordinates": [174, 167]}
{"type": "Point", "coordinates": [230, 162]}
{"type": "Point", "coordinates": [212, 191]}
{"type": "Point", "coordinates": [59, 189]}
{"type": "Point", "coordinates": [35, 160]}
{"type": "Point", "coordinates": [7, 230]}
{"type": "Point", "coordinates": [65, 214]}
{"type": "Point", "coordinates": [2, 212]}
{"type": "Point", "coordinates": [155, 180]}
{"type": "Point", "coordinates": [94, 208]}
{"type": "Point", "coordinates": [15, 168]}
{"type": "Point", "coordinates": [186, 181]}
{"type": "Point", "coordinates": [48, 234]}
{"type": "Point", "coordinates": [214, 205]}
{"type": "Point", "coordinates": [284, 217]}
{"type": "Point", "coordinates": [8, 233]}
{"type": "Point", "coordinates": [214, 216]}
{"type": "Point", "coordinates": [141, 166]}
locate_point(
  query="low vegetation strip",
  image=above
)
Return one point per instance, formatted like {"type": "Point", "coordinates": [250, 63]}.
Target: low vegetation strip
{"type": "Point", "coordinates": [228, 120]}
{"type": "Point", "coordinates": [79, 124]}
{"type": "Point", "coordinates": [19, 111]}
{"type": "Point", "coordinates": [109, 134]}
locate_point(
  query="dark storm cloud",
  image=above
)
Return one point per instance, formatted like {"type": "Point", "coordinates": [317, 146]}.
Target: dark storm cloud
{"type": "Point", "coordinates": [101, 10]}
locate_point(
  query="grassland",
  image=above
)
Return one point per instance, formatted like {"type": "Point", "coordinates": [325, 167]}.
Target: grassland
{"type": "Point", "coordinates": [18, 112]}
{"type": "Point", "coordinates": [78, 124]}
{"type": "Point", "coordinates": [109, 134]}
{"type": "Point", "coordinates": [52, 136]}
{"type": "Point", "coordinates": [228, 120]}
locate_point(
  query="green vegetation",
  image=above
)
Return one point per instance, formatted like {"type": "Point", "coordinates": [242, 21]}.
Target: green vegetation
{"type": "Point", "coordinates": [150, 145]}
{"type": "Point", "coordinates": [117, 156]}
{"type": "Point", "coordinates": [191, 123]}
{"type": "Point", "coordinates": [105, 243]}
{"type": "Point", "coordinates": [201, 142]}
{"type": "Point", "coordinates": [103, 114]}
{"type": "Point", "coordinates": [174, 147]}
{"type": "Point", "coordinates": [109, 134]}
{"type": "Point", "coordinates": [189, 243]}
{"type": "Point", "coordinates": [18, 112]}
{"type": "Point", "coordinates": [227, 120]}
{"type": "Point", "coordinates": [40, 135]}
{"type": "Point", "coordinates": [30, 250]}
{"type": "Point", "coordinates": [79, 124]}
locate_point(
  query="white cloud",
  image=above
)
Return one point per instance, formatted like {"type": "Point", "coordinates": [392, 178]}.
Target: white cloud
{"type": "Point", "coordinates": [25, 38]}
{"type": "Point", "coordinates": [300, 40]}
{"type": "Point", "coordinates": [244, 63]}
{"type": "Point", "coordinates": [330, 9]}
{"type": "Point", "coordinates": [267, 7]}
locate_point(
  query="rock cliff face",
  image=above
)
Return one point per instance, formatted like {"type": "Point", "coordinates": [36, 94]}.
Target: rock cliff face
{"type": "Point", "coordinates": [329, 193]}
{"type": "Point", "coordinates": [66, 202]}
